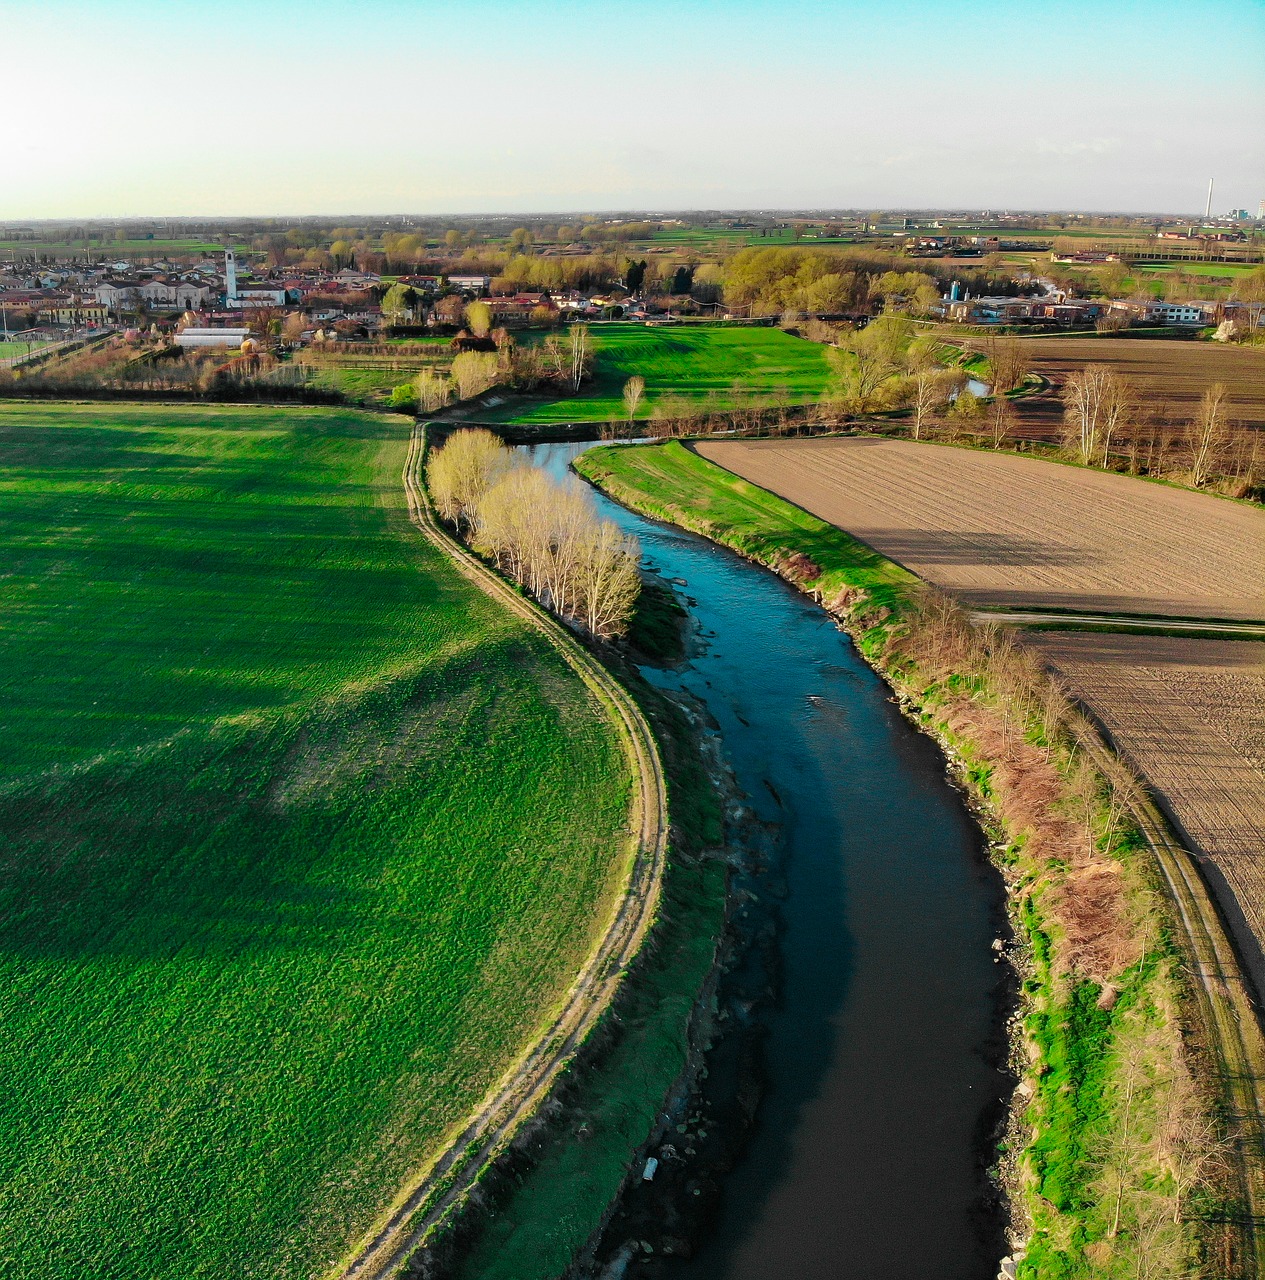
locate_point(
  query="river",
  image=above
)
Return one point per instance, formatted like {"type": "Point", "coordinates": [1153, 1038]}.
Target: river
{"type": "Point", "coordinates": [881, 1057]}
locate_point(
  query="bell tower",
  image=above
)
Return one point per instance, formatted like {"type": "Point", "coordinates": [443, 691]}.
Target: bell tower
{"type": "Point", "coordinates": [230, 275]}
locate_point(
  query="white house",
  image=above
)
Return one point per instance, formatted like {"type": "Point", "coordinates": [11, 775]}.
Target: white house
{"type": "Point", "coordinates": [1176, 313]}
{"type": "Point", "coordinates": [470, 284]}
{"type": "Point", "coordinates": [116, 293]}
{"type": "Point", "coordinates": [179, 295]}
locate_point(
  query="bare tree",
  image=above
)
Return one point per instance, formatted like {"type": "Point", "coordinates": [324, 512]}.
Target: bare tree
{"type": "Point", "coordinates": [463, 470]}
{"type": "Point", "coordinates": [433, 391]}
{"type": "Point", "coordinates": [1093, 406]}
{"type": "Point", "coordinates": [548, 537]}
{"type": "Point", "coordinates": [1208, 434]}
{"type": "Point", "coordinates": [607, 582]}
{"type": "Point", "coordinates": [1008, 362]}
{"type": "Point", "coordinates": [474, 372]}
{"type": "Point", "coordinates": [1118, 408]}
{"type": "Point", "coordinates": [1001, 420]}
{"type": "Point", "coordinates": [634, 391]}
{"type": "Point", "coordinates": [578, 353]}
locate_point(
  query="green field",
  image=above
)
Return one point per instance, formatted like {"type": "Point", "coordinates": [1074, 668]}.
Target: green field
{"type": "Point", "coordinates": [287, 804]}
{"type": "Point", "coordinates": [103, 249]}
{"type": "Point", "coordinates": [700, 363]}
{"type": "Point", "coordinates": [10, 349]}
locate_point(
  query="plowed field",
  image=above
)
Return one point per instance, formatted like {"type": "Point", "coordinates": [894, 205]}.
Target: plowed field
{"type": "Point", "coordinates": [1001, 530]}
{"type": "Point", "coordinates": [1191, 716]}
{"type": "Point", "coordinates": [1169, 374]}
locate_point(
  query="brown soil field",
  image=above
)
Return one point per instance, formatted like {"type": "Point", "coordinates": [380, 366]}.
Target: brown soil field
{"type": "Point", "coordinates": [1190, 716]}
{"type": "Point", "coordinates": [1002, 530]}
{"type": "Point", "coordinates": [1169, 374]}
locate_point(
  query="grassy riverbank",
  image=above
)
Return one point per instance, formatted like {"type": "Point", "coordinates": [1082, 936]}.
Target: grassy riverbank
{"type": "Point", "coordinates": [575, 1162]}
{"type": "Point", "coordinates": [1116, 1139]}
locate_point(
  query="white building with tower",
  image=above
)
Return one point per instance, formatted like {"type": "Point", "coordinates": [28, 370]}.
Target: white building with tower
{"type": "Point", "coordinates": [237, 296]}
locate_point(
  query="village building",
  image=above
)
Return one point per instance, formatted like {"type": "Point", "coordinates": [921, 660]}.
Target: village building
{"type": "Point", "coordinates": [226, 337]}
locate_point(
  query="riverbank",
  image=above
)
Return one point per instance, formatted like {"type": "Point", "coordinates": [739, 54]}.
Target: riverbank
{"type": "Point", "coordinates": [1117, 1160]}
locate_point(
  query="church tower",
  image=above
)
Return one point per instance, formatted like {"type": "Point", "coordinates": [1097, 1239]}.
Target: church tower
{"type": "Point", "coordinates": [230, 275]}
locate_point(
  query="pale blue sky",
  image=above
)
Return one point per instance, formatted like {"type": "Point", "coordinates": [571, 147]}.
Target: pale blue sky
{"type": "Point", "coordinates": [114, 107]}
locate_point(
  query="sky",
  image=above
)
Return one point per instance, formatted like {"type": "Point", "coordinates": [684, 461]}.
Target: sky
{"type": "Point", "coordinates": [113, 108]}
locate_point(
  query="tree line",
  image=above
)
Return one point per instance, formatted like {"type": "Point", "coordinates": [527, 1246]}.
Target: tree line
{"type": "Point", "coordinates": [561, 364]}
{"type": "Point", "coordinates": [546, 535]}
{"type": "Point", "coordinates": [1106, 418]}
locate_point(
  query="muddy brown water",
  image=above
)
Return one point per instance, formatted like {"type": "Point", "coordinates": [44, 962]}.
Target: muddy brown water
{"type": "Point", "coordinates": [881, 1054]}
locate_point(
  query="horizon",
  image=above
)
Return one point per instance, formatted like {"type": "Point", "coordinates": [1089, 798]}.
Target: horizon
{"type": "Point", "coordinates": [927, 105]}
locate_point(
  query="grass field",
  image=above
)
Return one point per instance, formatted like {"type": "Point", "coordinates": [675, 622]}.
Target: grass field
{"type": "Point", "coordinates": [102, 250]}
{"type": "Point", "coordinates": [10, 349]}
{"type": "Point", "coordinates": [700, 363]}
{"type": "Point", "coordinates": [286, 807]}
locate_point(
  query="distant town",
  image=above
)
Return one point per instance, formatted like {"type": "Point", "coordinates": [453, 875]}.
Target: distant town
{"type": "Point", "coordinates": [303, 284]}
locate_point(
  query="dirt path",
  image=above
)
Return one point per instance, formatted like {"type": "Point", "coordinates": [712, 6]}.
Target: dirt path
{"type": "Point", "coordinates": [1121, 622]}
{"type": "Point", "coordinates": [426, 1201]}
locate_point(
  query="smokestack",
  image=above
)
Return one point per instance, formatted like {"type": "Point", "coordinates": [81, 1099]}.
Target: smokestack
{"type": "Point", "coordinates": [1208, 210]}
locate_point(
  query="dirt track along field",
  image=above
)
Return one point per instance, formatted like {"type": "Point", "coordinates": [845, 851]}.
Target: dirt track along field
{"type": "Point", "coordinates": [1012, 532]}
{"type": "Point", "coordinates": [1190, 715]}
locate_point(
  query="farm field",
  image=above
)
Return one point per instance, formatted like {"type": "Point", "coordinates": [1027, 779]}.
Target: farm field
{"type": "Point", "coordinates": [103, 250]}
{"type": "Point", "coordinates": [1170, 374]}
{"type": "Point", "coordinates": [286, 805]}
{"type": "Point", "coordinates": [1190, 714]}
{"type": "Point", "coordinates": [691, 362]}
{"type": "Point", "coordinates": [1006, 531]}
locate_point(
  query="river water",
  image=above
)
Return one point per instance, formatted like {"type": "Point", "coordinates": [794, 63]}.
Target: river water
{"type": "Point", "coordinates": [881, 1056]}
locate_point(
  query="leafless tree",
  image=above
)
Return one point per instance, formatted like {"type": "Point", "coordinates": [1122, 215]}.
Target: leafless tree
{"type": "Point", "coordinates": [1008, 362]}
{"type": "Point", "coordinates": [1208, 434]}
{"type": "Point", "coordinates": [634, 391]}
{"type": "Point", "coordinates": [1097, 404]}
{"type": "Point", "coordinates": [433, 391]}
{"type": "Point", "coordinates": [463, 470]}
{"type": "Point", "coordinates": [1001, 420]}
{"type": "Point", "coordinates": [578, 353]}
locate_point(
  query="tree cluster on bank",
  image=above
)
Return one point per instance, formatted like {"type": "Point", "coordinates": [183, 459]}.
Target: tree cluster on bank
{"type": "Point", "coordinates": [544, 534]}
{"type": "Point", "coordinates": [560, 365]}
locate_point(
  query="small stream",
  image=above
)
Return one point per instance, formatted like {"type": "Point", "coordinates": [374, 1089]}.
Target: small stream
{"type": "Point", "coordinates": [881, 1056]}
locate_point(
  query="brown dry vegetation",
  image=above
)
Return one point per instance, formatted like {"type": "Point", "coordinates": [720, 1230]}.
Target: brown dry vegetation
{"type": "Point", "coordinates": [1190, 714]}
{"type": "Point", "coordinates": [1003, 530]}
{"type": "Point", "coordinates": [1053, 805]}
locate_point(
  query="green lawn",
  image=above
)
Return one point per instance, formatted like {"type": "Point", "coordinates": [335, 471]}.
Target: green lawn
{"type": "Point", "coordinates": [693, 362]}
{"type": "Point", "coordinates": [10, 349]}
{"type": "Point", "coordinates": [1220, 270]}
{"type": "Point", "coordinates": [286, 808]}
